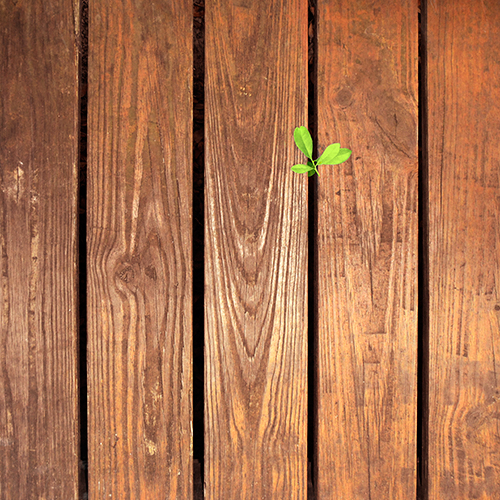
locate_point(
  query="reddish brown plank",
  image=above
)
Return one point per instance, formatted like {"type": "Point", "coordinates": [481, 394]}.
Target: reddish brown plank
{"type": "Point", "coordinates": [139, 250]}
{"type": "Point", "coordinates": [367, 250]}
{"type": "Point", "coordinates": [255, 251]}
{"type": "Point", "coordinates": [39, 417]}
{"type": "Point", "coordinates": [463, 71]}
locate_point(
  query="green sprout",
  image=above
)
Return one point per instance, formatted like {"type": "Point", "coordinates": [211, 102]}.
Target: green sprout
{"type": "Point", "coordinates": [333, 154]}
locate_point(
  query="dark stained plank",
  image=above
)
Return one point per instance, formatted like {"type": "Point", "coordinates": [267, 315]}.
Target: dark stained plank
{"type": "Point", "coordinates": [39, 415]}
{"type": "Point", "coordinates": [463, 74]}
{"type": "Point", "coordinates": [255, 251]}
{"type": "Point", "coordinates": [139, 250]}
{"type": "Point", "coordinates": [367, 250]}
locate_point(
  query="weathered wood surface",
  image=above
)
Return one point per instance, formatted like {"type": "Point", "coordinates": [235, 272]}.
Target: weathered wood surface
{"type": "Point", "coordinates": [139, 250]}
{"type": "Point", "coordinates": [463, 74]}
{"type": "Point", "coordinates": [39, 418]}
{"type": "Point", "coordinates": [367, 250]}
{"type": "Point", "coordinates": [255, 251]}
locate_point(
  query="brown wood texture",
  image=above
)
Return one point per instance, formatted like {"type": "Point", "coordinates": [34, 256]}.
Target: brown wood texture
{"type": "Point", "coordinates": [255, 251]}
{"type": "Point", "coordinates": [367, 250]}
{"type": "Point", "coordinates": [139, 250]}
{"type": "Point", "coordinates": [463, 91]}
{"type": "Point", "coordinates": [39, 416]}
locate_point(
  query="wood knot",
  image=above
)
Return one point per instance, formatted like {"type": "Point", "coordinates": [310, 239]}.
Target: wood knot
{"type": "Point", "coordinates": [344, 98]}
{"type": "Point", "coordinates": [151, 272]}
{"type": "Point", "coordinates": [126, 274]}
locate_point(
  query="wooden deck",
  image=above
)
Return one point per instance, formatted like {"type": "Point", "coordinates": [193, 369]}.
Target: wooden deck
{"type": "Point", "coordinates": [351, 321]}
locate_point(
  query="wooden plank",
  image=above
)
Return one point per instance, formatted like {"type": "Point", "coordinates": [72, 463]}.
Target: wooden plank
{"type": "Point", "coordinates": [139, 250]}
{"type": "Point", "coordinates": [463, 71]}
{"type": "Point", "coordinates": [39, 415]}
{"type": "Point", "coordinates": [255, 251]}
{"type": "Point", "coordinates": [367, 250]}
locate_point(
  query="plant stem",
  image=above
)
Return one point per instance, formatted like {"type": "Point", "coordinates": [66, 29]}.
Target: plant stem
{"type": "Point", "coordinates": [315, 166]}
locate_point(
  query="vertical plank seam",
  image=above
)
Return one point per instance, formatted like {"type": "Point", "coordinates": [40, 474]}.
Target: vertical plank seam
{"type": "Point", "coordinates": [198, 250]}
{"type": "Point", "coordinates": [82, 245]}
{"type": "Point", "coordinates": [423, 260]}
{"type": "Point", "coordinates": [312, 326]}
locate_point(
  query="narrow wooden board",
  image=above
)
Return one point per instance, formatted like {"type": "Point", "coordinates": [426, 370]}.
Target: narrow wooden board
{"type": "Point", "coordinates": [139, 250]}
{"type": "Point", "coordinates": [463, 74]}
{"type": "Point", "coordinates": [39, 414]}
{"type": "Point", "coordinates": [255, 251]}
{"type": "Point", "coordinates": [367, 250]}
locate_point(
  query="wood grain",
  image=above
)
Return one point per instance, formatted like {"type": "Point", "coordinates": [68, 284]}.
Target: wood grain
{"type": "Point", "coordinates": [39, 416]}
{"type": "Point", "coordinates": [255, 251]}
{"type": "Point", "coordinates": [463, 71]}
{"type": "Point", "coordinates": [139, 250]}
{"type": "Point", "coordinates": [367, 251]}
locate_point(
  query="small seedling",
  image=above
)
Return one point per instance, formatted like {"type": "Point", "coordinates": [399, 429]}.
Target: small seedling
{"type": "Point", "coordinates": [333, 154]}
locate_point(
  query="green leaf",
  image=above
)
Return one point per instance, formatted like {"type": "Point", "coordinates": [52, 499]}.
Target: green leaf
{"type": "Point", "coordinates": [303, 140]}
{"type": "Point", "coordinates": [311, 173]}
{"type": "Point", "coordinates": [343, 155]}
{"type": "Point", "coordinates": [302, 169]}
{"type": "Point", "coordinates": [329, 154]}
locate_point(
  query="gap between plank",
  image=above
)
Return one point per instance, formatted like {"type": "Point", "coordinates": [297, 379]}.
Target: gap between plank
{"type": "Point", "coordinates": [198, 244]}
{"type": "Point", "coordinates": [82, 246]}
{"type": "Point", "coordinates": [312, 324]}
{"type": "Point", "coordinates": [423, 260]}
